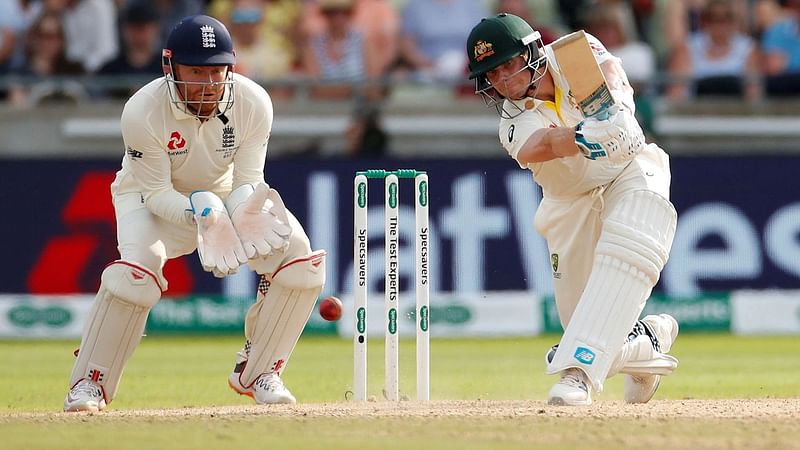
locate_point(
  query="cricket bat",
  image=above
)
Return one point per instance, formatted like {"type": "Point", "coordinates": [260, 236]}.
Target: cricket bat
{"type": "Point", "coordinates": [587, 85]}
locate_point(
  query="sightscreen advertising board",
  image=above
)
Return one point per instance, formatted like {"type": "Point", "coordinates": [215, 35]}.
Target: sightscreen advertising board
{"type": "Point", "coordinates": [738, 226]}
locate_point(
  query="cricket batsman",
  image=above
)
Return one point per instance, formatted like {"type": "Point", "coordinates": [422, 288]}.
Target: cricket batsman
{"type": "Point", "coordinates": [605, 211]}
{"type": "Point", "coordinates": [192, 177]}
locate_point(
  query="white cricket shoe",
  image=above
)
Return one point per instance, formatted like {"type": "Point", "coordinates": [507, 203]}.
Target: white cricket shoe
{"type": "Point", "coordinates": [268, 388]}
{"type": "Point", "coordinates": [662, 330]}
{"type": "Point", "coordinates": [85, 396]}
{"type": "Point", "coordinates": [571, 390]}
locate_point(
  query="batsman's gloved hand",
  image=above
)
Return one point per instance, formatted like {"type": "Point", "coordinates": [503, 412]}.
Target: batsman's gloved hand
{"type": "Point", "coordinates": [617, 138]}
{"type": "Point", "coordinates": [218, 246]}
{"type": "Point", "coordinates": [262, 223]}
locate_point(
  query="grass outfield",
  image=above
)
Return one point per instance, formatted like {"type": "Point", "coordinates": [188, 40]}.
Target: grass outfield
{"type": "Point", "coordinates": [486, 394]}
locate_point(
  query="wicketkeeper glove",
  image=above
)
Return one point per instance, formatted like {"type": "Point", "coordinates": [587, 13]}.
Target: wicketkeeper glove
{"type": "Point", "coordinates": [218, 246]}
{"type": "Point", "coordinates": [261, 221]}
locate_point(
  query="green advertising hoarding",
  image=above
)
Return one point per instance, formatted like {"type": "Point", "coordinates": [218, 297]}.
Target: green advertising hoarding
{"type": "Point", "coordinates": [709, 312]}
{"type": "Point", "coordinates": [213, 314]}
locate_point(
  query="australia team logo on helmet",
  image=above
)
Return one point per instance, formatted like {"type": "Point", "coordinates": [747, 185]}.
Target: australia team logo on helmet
{"type": "Point", "coordinates": [482, 50]}
{"type": "Point", "coordinates": [496, 40]}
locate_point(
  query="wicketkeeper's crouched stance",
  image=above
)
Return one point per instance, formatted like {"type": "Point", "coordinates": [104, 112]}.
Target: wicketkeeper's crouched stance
{"type": "Point", "coordinates": [605, 212]}
{"type": "Point", "coordinates": [193, 178]}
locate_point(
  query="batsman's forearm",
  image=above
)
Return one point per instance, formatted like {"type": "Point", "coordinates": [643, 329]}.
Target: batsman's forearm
{"type": "Point", "coordinates": [562, 141]}
{"type": "Point", "coordinates": [547, 144]}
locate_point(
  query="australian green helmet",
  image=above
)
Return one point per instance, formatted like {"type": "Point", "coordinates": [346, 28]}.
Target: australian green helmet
{"type": "Point", "coordinates": [495, 40]}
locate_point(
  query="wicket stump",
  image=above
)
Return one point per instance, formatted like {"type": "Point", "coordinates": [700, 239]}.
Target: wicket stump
{"type": "Point", "coordinates": [391, 281]}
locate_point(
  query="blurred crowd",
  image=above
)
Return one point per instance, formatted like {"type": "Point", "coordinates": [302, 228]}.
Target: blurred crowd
{"type": "Point", "coordinates": [679, 49]}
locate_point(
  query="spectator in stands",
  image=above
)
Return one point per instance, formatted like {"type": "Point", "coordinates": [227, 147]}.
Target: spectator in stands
{"type": "Point", "coordinates": [90, 27]}
{"type": "Point", "coordinates": [644, 13]}
{"type": "Point", "coordinates": [609, 24]}
{"type": "Point", "coordinates": [433, 34]}
{"type": "Point", "coordinates": [365, 136]}
{"type": "Point", "coordinates": [257, 57]}
{"type": "Point", "coordinates": [278, 30]}
{"type": "Point", "coordinates": [780, 43]}
{"type": "Point", "coordinates": [11, 28]}
{"type": "Point", "coordinates": [172, 11]}
{"type": "Point", "coordinates": [141, 48]}
{"type": "Point", "coordinates": [718, 59]}
{"type": "Point", "coordinates": [377, 19]}
{"type": "Point", "coordinates": [571, 13]}
{"type": "Point", "coordinates": [340, 56]}
{"type": "Point", "coordinates": [612, 25]}
{"type": "Point", "coordinates": [683, 17]}
{"type": "Point", "coordinates": [765, 14]}
{"type": "Point", "coordinates": [45, 53]}
{"type": "Point", "coordinates": [521, 8]}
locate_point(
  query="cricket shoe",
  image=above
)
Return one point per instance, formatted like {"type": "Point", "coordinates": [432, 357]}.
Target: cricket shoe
{"type": "Point", "coordinates": [662, 330]}
{"type": "Point", "coordinates": [571, 390]}
{"type": "Point", "coordinates": [268, 389]}
{"type": "Point", "coordinates": [85, 396]}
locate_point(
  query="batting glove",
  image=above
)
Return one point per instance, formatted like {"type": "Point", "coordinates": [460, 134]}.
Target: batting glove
{"type": "Point", "coordinates": [619, 138]}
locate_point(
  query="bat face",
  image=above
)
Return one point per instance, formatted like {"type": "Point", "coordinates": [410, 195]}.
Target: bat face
{"type": "Point", "coordinates": [587, 86]}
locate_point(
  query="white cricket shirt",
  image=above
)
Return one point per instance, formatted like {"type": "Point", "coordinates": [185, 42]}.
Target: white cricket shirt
{"type": "Point", "coordinates": [560, 177]}
{"type": "Point", "coordinates": [169, 153]}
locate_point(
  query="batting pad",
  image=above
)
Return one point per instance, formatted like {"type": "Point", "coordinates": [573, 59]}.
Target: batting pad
{"type": "Point", "coordinates": [275, 322]}
{"type": "Point", "coordinates": [633, 248]}
{"type": "Point", "coordinates": [115, 325]}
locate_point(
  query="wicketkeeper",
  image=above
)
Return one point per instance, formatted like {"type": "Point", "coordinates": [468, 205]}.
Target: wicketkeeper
{"type": "Point", "coordinates": [605, 212]}
{"type": "Point", "coordinates": [192, 177]}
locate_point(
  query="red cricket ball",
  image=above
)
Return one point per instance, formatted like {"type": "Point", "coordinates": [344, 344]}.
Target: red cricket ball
{"type": "Point", "coordinates": [330, 308]}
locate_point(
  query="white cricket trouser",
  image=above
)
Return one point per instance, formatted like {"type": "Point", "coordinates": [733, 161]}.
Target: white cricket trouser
{"type": "Point", "coordinates": [572, 225]}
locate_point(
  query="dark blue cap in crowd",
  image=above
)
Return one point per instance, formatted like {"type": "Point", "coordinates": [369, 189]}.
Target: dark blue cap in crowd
{"type": "Point", "coordinates": [140, 11]}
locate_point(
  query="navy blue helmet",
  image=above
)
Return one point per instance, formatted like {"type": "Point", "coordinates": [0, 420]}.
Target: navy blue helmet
{"type": "Point", "coordinates": [199, 41]}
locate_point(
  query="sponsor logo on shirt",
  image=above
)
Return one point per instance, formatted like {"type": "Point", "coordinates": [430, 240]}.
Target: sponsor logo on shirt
{"type": "Point", "coordinates": [554, 263]}
{"type": "Point", "coordinates": [133, 153]}
{"type": "Point", "coordinates": [176, 141]}
{"type": "Point", "coordinates": [176, 145]}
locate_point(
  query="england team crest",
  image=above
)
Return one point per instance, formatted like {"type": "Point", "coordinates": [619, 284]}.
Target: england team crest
{"type": "Point", "coordinates": [228, 138]}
